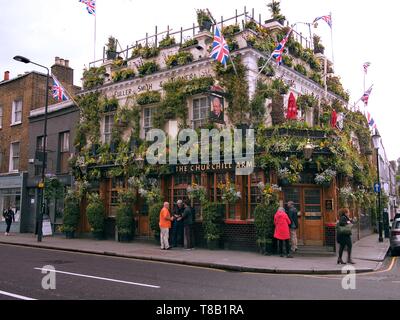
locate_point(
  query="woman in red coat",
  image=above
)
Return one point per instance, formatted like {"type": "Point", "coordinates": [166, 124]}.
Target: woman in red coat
{"type": "Point", "coordinates": [282, 233]}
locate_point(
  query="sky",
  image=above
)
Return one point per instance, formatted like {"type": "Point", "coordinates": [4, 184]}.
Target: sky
{"type": "Point", "coordinates": [361, 31]}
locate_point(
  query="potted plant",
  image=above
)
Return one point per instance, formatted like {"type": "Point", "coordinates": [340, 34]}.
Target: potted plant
{"type": "Point", "coordinates": [96, 215]}
{"type": "Point", "coordinates": [229, 195]}
{"type": "Point", "coordinates": [204, 20]}
{"type": "Point", "coordinates": [124, 218]}
{"type": "Point", "coordinates": [325, 178]}
{"type": "Point", "coordinates": [195, 191]}
{"type": "Point", "coordinates": [71, 214]}
{"type": "Point", "coordinates": [111, 48]}
{"type": "Point", "coordinates": [212, 224]}
{"type": "Point", "coordinates": [287, 177]}
{"type": "Point", "coordinates": [275, 10]}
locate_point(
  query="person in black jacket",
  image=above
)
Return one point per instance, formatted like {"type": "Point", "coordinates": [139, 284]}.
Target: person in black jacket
{"type": "Point", "coordinates": [9, 216]}
{"type": "Point", "coordinates": [177, 224]}
{"type": "Point", "coordinates": [344, 240]}
{"type": "Point", "coordinates": [292, 213]}
{"type": "Point", "coordinates": [188, 220]}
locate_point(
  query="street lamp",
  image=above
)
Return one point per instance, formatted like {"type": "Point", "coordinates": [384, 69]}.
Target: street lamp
{"type": "Point", "coordinates": [376, 141]}
{"type": "Point", "coordinates": [42, 183]}
{"type": "Point", "coordinates": [308, 150]}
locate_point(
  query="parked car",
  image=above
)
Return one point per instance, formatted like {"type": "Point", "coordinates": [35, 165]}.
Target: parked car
{"type": "Point", "coordinates": [395, 237]}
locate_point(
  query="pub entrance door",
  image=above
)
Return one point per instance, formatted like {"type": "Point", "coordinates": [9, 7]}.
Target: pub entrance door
{"type": "Point", "coordinates": [307, 201]}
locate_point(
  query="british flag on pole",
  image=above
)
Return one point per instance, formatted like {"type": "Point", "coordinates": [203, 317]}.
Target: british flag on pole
{"type": "Point", "coordinates": [58, 90]}
{"type": "Point", "coordinates": [327, 19]}
{"type": "Point", "coordinates": [278, 52]}
{"type": "Point", "coordinates": [366, 95]}
{"type": "Point", "coordinates": [90, 6]}
{"type": "Point", "coordinates": [220, 49]}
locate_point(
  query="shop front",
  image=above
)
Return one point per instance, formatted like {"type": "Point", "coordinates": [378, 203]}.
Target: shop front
{"type": "Point", "coordinates": [11, 196]}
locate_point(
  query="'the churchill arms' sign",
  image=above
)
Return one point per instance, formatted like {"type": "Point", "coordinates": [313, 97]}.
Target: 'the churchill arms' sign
{"type": "Point", "coordinates": [213, 167]}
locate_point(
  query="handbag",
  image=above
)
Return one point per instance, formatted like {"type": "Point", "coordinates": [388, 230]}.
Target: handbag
{"type": "Point", "coordinates": [344, 230]}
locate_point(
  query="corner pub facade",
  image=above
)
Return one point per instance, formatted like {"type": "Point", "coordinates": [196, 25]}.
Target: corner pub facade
{"type": "Point", "coordinates": [317, 205]}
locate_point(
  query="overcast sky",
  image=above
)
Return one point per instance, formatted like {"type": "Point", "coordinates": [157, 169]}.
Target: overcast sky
{"type": "Point", "coordinates": [362, 31]}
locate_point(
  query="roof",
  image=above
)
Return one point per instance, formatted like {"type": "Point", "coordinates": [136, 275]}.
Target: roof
{"type": "Point", "coordinates": [51, 108]}
{"type": "Point", "coordinates": [22, 76]}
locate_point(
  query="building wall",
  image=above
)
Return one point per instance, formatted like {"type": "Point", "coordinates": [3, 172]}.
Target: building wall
{"type": "Point", "coordinates": [31, 89]}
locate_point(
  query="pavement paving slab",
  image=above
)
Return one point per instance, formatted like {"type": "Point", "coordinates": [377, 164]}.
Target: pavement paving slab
{"type": "Point", "coordinates": [368, 254]}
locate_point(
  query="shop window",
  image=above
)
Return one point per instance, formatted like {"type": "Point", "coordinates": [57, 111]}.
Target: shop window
{"type": "Point", "coordinates": [11, 198]}
{"type": "Point", "coordinates": [216, 194]}
{"type": "Point", "coordinates": [312, 200]}
{"type": "Point", "coordinates": [116, 185]}
{"type": "Point", "coordinates": [292, 194]}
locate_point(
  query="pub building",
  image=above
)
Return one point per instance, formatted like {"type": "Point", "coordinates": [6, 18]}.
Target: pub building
{"type": "Point", "coordinates": [317, 205]}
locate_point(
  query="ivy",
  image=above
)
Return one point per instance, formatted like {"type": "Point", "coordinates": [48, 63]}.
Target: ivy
{"type": "Point", "coordinates": [237, 89]}
{"type": "Point", "coordinates": [93, 77]}
{"type": "Point", "coordinates": [148, 97]}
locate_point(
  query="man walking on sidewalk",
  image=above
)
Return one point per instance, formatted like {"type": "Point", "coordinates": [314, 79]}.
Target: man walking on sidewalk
{"type": "Point", "coordinates": [292, 213]}
{"type": "Point", "coordinates": [165, 225]}
{"type": "Point", "coordinates": [9, 217]}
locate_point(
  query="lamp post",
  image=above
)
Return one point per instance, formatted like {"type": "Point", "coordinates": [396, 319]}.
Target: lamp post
{"type": "Point", "coordinates": [308, 150]}
{"type": "Point", "coordinates": [376, 141]}
{"type": "Point", "coordinates": [42, 183]}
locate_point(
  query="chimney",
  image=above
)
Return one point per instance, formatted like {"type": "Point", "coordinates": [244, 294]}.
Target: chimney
{"type": "Point", "coordinates": [63, 72]}
{"type": "Point", "coordinates": [6, 75]}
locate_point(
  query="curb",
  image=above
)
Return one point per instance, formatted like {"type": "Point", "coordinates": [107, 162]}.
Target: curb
{"type": "Point", "coordinates": [234, 268]}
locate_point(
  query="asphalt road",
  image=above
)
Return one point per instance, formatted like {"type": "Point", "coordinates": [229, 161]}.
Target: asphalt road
{"type": "Point", "coordinates": [85, 276]}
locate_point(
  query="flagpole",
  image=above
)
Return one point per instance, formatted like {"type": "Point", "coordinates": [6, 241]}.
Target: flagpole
{"type": "Point", "coordinates": [333, 58]}
{"type": "Point", "coordinates": [95, 28]}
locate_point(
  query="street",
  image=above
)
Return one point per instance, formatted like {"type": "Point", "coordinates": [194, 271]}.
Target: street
{"type": "Point", "coordinates": [84, 276]}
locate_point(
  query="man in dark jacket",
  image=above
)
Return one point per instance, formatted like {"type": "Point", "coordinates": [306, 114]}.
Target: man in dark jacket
{"type": "Point", "coordinates": [187, 226]}
{"type": "Point", "coordinates": [177, 224]}
{"type": "Point", "coordinates": [9, 217]}
{"type": "Point", "coordinates": [292, 213]}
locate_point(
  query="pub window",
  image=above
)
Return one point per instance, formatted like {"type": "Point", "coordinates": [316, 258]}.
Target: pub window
{"type": "Point", "coordinates": [216, 194]}
{"type": "Point", "coordinates": [108, 125]}
{"type": "Point", "coordinates": [116, 185]}
{"type": "Point", "coordinates": [200, 112]}
{"type": "Point", "coordinates": [253, 193]}
{"type": "Point", "coordinates": [64, 151]}
{"type": "Point", "coordinates": [147, 119]}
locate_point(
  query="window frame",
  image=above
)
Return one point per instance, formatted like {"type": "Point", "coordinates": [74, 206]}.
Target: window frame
{"type": "Point", "coordinates": [107, 135]}
{"type": "Point", "coordinates": [63, 153]}
{"type": "Point", "coordinates": [1, 116]}
{"type": "Point", "coordinates": [16, 103]}
{"type": "Point", "coordinates": [200, 122]}
{"type": "Point", "coordinates": [12, 156]}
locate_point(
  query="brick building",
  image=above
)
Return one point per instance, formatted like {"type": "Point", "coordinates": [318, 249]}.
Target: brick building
{"type": "Point", "coordinates": [18, 97]}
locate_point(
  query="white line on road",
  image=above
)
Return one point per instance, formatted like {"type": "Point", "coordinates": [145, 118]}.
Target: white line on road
{"type": "Point", "coordinates": [100, 278]}
{"type": "Point", "coordinates": [17, 296]}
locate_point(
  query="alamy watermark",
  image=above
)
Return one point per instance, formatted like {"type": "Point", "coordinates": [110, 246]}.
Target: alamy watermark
{"type": "Point", "coordinates": [49, 280]}
{"type": "Point", "coordinates": [349, 280]}
{"type": "Point", "coordinates": [190, 148]}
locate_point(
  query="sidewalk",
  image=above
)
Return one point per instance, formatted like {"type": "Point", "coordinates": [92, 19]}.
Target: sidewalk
{"type": "Point", "coordinates": [368, 255]}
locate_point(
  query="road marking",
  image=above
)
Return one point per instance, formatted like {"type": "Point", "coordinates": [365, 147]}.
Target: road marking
{"type": "Point", "coordinates": [100, 278]}
{"type": "Point", "coordinates": [13, 295]}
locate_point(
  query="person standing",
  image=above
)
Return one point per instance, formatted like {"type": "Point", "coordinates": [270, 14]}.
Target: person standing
{"type": "Point", "coordinates": [165, 225]}
{"type": "Point", "coordinates": [282, 234]}
{"type": "Point", "coordinates": [292, 213]}
{"type": "Point", "coordinates": [187, 225]}
{"type": "Point", "coordinates": [177, 224]}
{"type": "Point", "coordinates": [344, 235]}
{"type": "Point", "coordinates": [9, 216]}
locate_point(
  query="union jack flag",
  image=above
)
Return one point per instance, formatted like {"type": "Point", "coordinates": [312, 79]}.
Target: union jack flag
{"type": "Point", "coordinates": [365, 66]}
{"type": "Point", "coordinates": [371, 121]}
{"type": "Point", "coordinates": [327, 19]}
{"type": "Point", "coordinates": [366, 95]}
{"type": "Point", "coordinates": [220, 49]}
{"type": "Point", "coordinates": [58, 90]}
{"type": "Point", "coordinates": [90, 6]}
{"type": "Point", "coordinates": [277, 53]}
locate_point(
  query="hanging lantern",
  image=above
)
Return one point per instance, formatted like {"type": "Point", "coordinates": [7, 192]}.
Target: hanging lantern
{"type": "Point", "coordinates": [308, 150]}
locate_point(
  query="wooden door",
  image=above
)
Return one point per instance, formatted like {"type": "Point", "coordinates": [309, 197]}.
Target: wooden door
{"type": "Point", "coordinates": [312, 217]}
{"type": "Point", "coordinates": [143, 226]}
{"type": "Point", "coordinates": [295, 194]}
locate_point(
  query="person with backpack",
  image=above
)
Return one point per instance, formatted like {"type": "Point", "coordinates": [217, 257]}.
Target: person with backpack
{"type": "Point", "coordinates": [9, 216]}
{"type": "Point", "coordinates": [188, 219]}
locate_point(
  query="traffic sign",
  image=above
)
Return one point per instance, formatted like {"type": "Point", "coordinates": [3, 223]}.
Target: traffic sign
{"type": "Point", "coordinates": [377, 187]}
